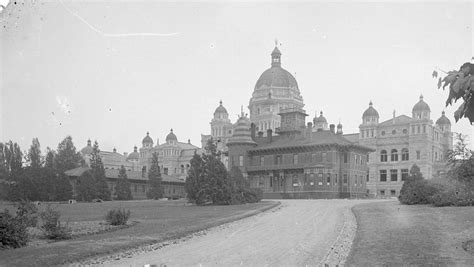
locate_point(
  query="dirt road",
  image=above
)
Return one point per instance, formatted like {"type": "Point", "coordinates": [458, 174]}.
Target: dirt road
{"type": "Point", "coordinates": [297, 233]}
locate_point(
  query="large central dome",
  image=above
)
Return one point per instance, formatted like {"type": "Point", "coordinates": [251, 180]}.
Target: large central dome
{"type": "Point", "coordinates": [276, 76]}
{"type": "Point", "coordinates": [276, 89]}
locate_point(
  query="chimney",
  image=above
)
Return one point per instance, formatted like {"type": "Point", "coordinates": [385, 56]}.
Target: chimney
{"type": "Point", "coordinates": [339, 129]}
{"type": "Point", "coordinates": [332, 127]}
{"type": "Point", "coordinates": [125, 154]}
{"type": "Point", "coordinates": [309, 131]}
{"type": "Point", "coordinates": [189, 141]}
{"type": "Point", "coordinates": [393, 121]}
{"type": "Point", "coordinates": [252, 130]}
{"type": "Point", "coordinates": [269, 135]}
{"type": "Point", "coordinates": [260, 134]}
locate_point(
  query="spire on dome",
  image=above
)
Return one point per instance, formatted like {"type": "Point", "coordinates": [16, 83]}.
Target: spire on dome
{"type": "Point", "coordinates": [276, 56]}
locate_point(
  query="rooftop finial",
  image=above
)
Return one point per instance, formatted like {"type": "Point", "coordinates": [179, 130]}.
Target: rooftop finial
{"type": "Point", "coordinates": [171, 130]}
{"type": "Point", "coordinates": [147, 133]}
{"type": "Point", "coordinates": [220, 102]}
{"type": "Point", "coordinates": [421, 97]}
{"type": "Point", "coordinates": [370, 103]}
{"type": "Point", "coordinates": [276, 42]}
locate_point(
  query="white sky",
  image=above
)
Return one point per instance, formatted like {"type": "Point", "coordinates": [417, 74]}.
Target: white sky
{"type": "Point", "coordinates": [113, 71]}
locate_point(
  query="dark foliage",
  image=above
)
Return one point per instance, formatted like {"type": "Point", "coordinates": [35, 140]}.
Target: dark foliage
{"type": "Point", "coordinates": [122, 189]}
{"type": "Point", "coordinates": [117, 216]}
{"type": "Point", "coordinates": [67, 157]}
{"type": "Point", "coordinates": [13, 231]}
{"type": "Point", "coordinates": [98, 171]}
{"type": "Point", "coordinates": [156, 190]}
{"type": "Point", "coordinates": [86, 190]}
{"type": "Point", "coordinates": [51, 225]}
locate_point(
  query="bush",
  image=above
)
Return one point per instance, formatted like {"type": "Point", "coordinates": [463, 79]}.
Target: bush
{"type": "Point", "coordinates": [28, 212]}
{"type": "Point", "coordinates": [453, 194]}
{"type": "Point", "coordinates": [51, 227]}
{"type": "Point", "coordinates": [117, 216]}
{"type": "Point", "coordinates": [13, 231]}
{"type": "Point", "coordinates": [253, 195]}
{"type": "Point", "coordinates": [418, 192]}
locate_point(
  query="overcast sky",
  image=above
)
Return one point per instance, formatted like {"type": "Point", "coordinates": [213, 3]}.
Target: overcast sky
{"type": "Point", "coordinates": [113, 71]}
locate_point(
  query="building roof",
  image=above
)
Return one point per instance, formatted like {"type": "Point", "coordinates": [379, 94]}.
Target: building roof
{"type": "Point", "coordinates": [220, 109]}
{"type": "Point", "coordinates": [171, 136]}
{"type": "Point", "coordinates": [114, 173]}
{"type": "Point", "coordinates": [276, 76]}
{"type": "Point", "coordinates": [320, 119]}
{"type": "Point", "coordinates": [134, 154]}
{"type": "Point", "coordinates": [317, 138]}
{"type": "Point", "coordinates": [87, 150]}
{"type": "Point", "coordinates": [443, 120]}
{"type": "Point", "coordinates": [147, 139]}
{"type": "Point", "coordinates": [421, 106]}
{"type": "Point", "coordinates": [402, 119]}
{"type": "Point", "coordinates": [370, 111]}
{"type": "Point", "coordinates": [354, 137]}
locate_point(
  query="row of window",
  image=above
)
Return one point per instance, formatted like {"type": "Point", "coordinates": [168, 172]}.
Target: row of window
{"type": "Point", "coordinates": [394, 155]}
{"type": "Point", "coordinates": [415, 129]}
{"type": "Point", "coordinates": [393, 175]}
{"type": "Point", "coordinates": [313, 179]}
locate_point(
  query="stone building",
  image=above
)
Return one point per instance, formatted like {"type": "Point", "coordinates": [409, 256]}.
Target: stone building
{"type": "Point", "coordinates": [299, 162]}
{"type": "Point", "coordinates": [173, 156]}
{"type": "Point", "coordinates": [401, 142]}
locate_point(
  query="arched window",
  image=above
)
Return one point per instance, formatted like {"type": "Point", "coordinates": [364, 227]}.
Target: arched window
{"type": "Point", "coordinates": [383, 156]}
{"type": "Point", "coordinates": [394, 155]}
{"type": "Point", "coordinates": [405, 154]}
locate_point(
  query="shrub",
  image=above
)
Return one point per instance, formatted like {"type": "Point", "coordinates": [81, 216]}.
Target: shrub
{"type": "Point", "coordinates": [418, 192]}
{"type": "Point", "coordinates": [117, 216]}
{"type": "Point", "coordinates": [453, 194]}
{"type": "Point", "coordinates": [52, 227]}
{"type": "Point", "coordinates": [13, 231]}
{"type": "Point", "coordinates": [28, 212]}
{"type": "Point", "coordinates": [253, 195]}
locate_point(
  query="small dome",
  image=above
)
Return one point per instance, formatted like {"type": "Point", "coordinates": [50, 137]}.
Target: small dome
{"type": "Point", "coordinates": [147, 139]}
{"type": "Point", "coordinates": [421, 106]}
{"type": "Point", "coordinates": [87, 150]}
{"type": "Point", "coordinates": [220, 109]}
{"type": "Point", "coordinates": [320, 119]}
{"type": "Point", "coordinates": [443, 120]}
{"type": "Point", "coordinates": [241, 134]}
{"type": "Point", "coordinates": [134, 155]}
{"type": "Point", "coordinates": [171, 136]}
{"type": "Point", "coordinates": [370, 112]}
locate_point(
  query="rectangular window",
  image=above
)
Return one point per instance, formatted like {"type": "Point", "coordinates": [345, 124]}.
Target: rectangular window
{"type": "Point", "coordinates": [424, 128]}
{"type": "Point", "coordinates": [324, 157]}
{"type": "Point", "coordinates": [328, 179]}
{"type": "Point", "coordinates": [418, 154]}
{"type": "Point", "coordinates": [262, 160]}
{"type": "Point", "coordinates": [355, 180]}
{"type": "Point", "coordinates": [165, 170]}
{"type": "Point", "coordinates": [241, 160]}
{"type": "Point", "coordinates": [367, 178]}
{"type": "Point", "coordinates": [295, 159]}
{"type": "Point", "coordinates": [382, 192]}
{"type": "Point", "coordinates": [313, 157]}
{"type": "Point", "coordinates": [404, 174]}
{"type": "Point", "coordinates": [418, 129]}
{"type": "Point", "coordinates": [143, 189]}
{"type": "Point", "coordinates": [393, 175]}
{"type": "Point", "coordinates": [383, 175]}
{"type": "Point", "coordinates": [345, 178]}
{"type": "Point", "coordinates": [271, 181]}
{"type": "Point", "coordinates": [345, 157]}
{"type": "Point", "coordinates": [393, 192]}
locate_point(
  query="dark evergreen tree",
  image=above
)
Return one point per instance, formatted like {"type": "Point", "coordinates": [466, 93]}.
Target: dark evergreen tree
{"type": "Point", "coordinates": [13, 159]}
{"type": "Point", "coordinates": [122, 189]}
{"type": "Point", "coordinates": [3, 164]}
{"type": "Point", "coordinates": [98, 171]}
{"type": "Point", "coordinates": [34, 154]}
{"type": "Point", "coordinates": [156, 190]}
{"type": "Point", "coordinates": [415, 174]}
{"type": "Point", "coordinates": [49, 161]}
{"type": "Point", "coordinates": [67, 157]}
{"type": "Point", "coordinates": [63, 187]}
{"type": "Point", "coordinates": [216, 175]}
{"type": "Point", "coordinates": [86, 187]}
{"type": "Point", "coordinates": [196, 184]}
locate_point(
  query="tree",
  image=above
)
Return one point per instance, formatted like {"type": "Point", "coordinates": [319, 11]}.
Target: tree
{"type": "Point", "coordinates": [67, 157]}
{"type": "Point", "coordinates": [207, 178]}
{"type": "Point", "coordinates": [122, 189]}
{"type": "Point", "coordinates": [417, 190]}
{"type": "Point", "coordinates": [415, 173]}
{"type": "Point", "coordinates": [63, 187]}
{"type": "Point", "coordinates": [86, 188]}
{"type": "Point", "coordinates": [460, 151]}
{"type": "Point", "coordinates": [98, 171]}
{"type": "Point", "coordinates": [155, 190]}
{"type": "Point", "coordinates": [34, 154]}
{"type": "Point", "coordinates": [461, 85]}
{"type": "Point", "coordinates": [13, 159]}
{"type": "Point", "coordinates": [3, 164]}
{"type": "Point", "coordinates": [49, 161]}
{"type": "Point", "coordinates": [196, 186]}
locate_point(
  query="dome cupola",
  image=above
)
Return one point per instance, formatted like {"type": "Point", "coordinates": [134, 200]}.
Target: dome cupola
{"type": "Point", "coordinates": [147, 141]}
{"type": "Point", "coordinates": [221, 112]}
{"type": "Point", "coordinates": [370, 112]}
{"type": "Point", "coordinates": [171, 137]}
{"type": "Point", "coordinates": [134, 155]}
{"type": "Point", "coordinates": [87, 150]}
{"type": "Point", "coordinates": [421, 110]}
{"type": "Point", "coordinates": [443, 120]}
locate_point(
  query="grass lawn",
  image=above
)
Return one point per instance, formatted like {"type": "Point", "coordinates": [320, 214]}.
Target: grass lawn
{"type": "Point", "coordinates": [158, 221]}
{"type": "Point", "coordinates": [392, 234]}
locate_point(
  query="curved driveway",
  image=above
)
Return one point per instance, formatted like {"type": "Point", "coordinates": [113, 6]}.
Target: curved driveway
{"type": "Point", "coordinates": [297, 233]}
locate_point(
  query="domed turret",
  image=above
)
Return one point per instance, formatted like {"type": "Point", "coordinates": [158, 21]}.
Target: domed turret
{"type": "Point", "coordinates": [421, 110]}
{"type": "Point", "coordinates": [171, 137]}
{"type": "Point", "coordinates": [370, 112]}
{"type": "Point", "coordinates": [87, 150]}
{"type": "Point", "coordinates": [339, 128]}
{"type": "Point", "coordinates": [443, 120]}
{"type": "Point", "coordinates": [241, 133]}
{"type": "Point", "coordinates": [320, 123]}
{"type": "Point", "coordinates": [147, 141]}
{"type": "Point", "coordinates": [221, 112]}
{"type": "Point", "coordinates": [134, 155]}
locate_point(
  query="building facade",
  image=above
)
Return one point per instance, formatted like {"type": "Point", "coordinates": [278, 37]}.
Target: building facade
{"type": "Point", "coordinates": [401, 142]}
{"type": "Point", "coordinates": [299, 162]}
